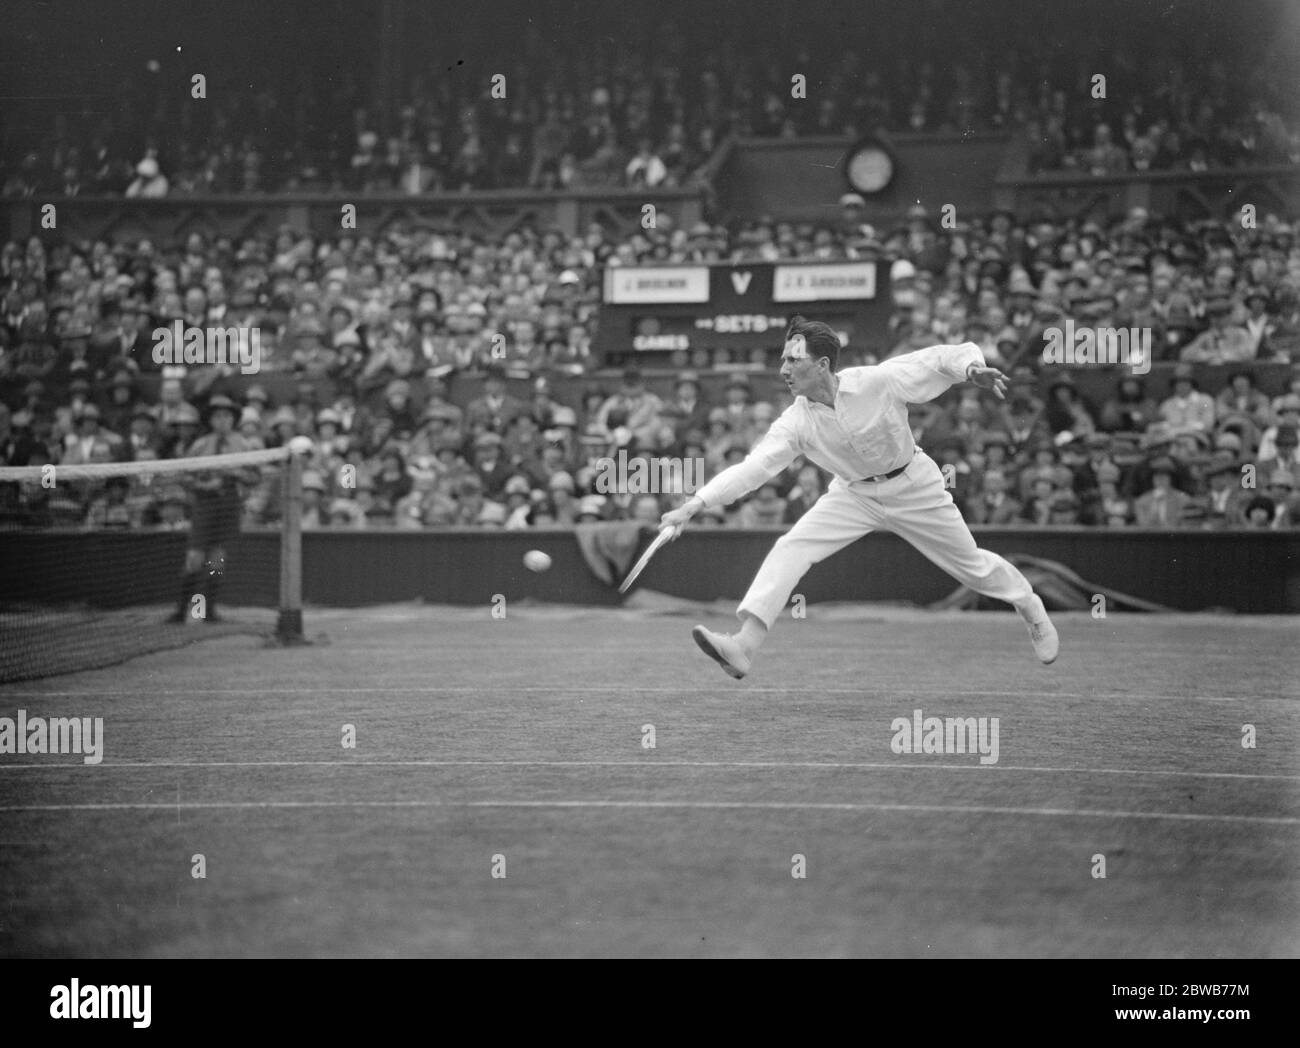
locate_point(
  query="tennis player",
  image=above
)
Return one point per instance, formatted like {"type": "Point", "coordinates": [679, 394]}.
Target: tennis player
{"type": "Point", "coordinates": [853, 423]}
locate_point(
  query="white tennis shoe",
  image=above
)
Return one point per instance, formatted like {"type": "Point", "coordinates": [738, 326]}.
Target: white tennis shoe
{"type": "Point", "coordinates": [723, 649]}
{"type": "Point", "coordinates": [1041, 631]}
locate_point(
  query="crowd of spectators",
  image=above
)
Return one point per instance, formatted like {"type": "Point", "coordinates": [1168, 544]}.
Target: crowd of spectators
{"type": "Point", "coordinates": [571, 119]}
{"type": "Point", "coordinates": [379, 334]}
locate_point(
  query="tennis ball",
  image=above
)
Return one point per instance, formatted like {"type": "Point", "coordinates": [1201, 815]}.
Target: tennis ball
{"type": "Point", "coordinates": [536, 560]}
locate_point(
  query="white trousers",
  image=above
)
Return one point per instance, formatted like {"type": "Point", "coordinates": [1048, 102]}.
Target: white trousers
{"type": "Point", "coordinates": [915, 505]}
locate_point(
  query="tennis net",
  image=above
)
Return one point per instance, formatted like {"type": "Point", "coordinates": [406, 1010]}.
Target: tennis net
{"type": "Point", "coordinates": [102, 563]}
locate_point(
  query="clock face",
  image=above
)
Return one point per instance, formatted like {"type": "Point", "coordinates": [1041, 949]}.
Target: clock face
{"type": "Point", "coordinates": [870, 169]}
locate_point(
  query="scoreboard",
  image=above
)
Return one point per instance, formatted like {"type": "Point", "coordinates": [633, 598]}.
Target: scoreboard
{"type": "Point", "coordinates": [733, 315]}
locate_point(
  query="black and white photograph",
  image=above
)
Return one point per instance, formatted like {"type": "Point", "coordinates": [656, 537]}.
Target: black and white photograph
{"type": "Point", "coordinates": [651, 480]}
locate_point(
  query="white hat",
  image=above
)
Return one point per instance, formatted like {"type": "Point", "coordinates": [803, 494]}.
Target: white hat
{"type": "Point", "coordinates": [147, 168]}
{"type": "Point", "coordinates": [902, 270]}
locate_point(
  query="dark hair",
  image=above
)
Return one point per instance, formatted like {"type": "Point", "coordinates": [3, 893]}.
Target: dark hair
{"type": "Point", "coordinates": [821, 338]}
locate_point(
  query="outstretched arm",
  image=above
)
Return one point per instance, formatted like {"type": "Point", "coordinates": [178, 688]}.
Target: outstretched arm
{"type": "Point", "coordinates": [922, 375]}
{"type": "Point", "coordinates": [776, 450]}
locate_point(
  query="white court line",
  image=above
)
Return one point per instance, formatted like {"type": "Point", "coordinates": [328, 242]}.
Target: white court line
{"type": "Point", "coordinates": [650, 805]}
{"type": "Point", "coordinates": [650, 762]}
{"type": "Point", "coordinates": [952, 694]}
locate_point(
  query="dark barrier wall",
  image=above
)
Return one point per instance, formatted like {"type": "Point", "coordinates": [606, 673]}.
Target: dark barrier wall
{"type": "Point", "coordinates": [1256, 572]}
{"type": "Point", "coordinates": [492, 213]}
{"type": "Point", "coordinates": [801, 180]}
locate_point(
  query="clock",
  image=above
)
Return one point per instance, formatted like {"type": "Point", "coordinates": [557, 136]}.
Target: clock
{"type": "Point", "coordinates": [869, 167]}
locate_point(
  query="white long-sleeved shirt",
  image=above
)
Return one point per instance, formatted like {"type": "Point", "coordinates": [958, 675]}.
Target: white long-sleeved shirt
{"type": "Point", "coordinates": [867, 432]}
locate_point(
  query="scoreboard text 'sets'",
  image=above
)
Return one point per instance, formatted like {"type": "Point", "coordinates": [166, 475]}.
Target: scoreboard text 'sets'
{"type": "Point", "coordinates": [733, 315]}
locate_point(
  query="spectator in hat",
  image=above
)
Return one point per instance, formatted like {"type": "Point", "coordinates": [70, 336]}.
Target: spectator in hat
{"type": "Point", "coordinates": [391, 359]}
{"type": "Point", "coordinates": [353, 419]}
{"type": "Point", "coordinates": [1286, 454]}
{"type": "Point", "coordinates": [143, 441]}
{"type": "Point", "coordinates": [1240, 396]}
{"type": "Point", "coordinates": [474, 508]}
{"type": "Point", "coordinates": [1292, 390]}
{"type": "Point", "coordinates": [88, 444]}
{"type": "Point", "coordinates": [1044, 460]}
{"type": "Point", "coordinates": [250, 428]}
{"type": "Point", "coordinates": [1022, 420]}
{"type": "Point", "coordinates": [283, 427]}
{"type": "Point", "coordinates": [171, 509]}
{"type": "Point", "coordinates": [808, 488]}
{"type": "Point", "coordinates": [345, 512]}
{"type": "Point", "coordinates": [542, 405]}
{"type": "Point", "coordinates": [330, 442]}
{"type": "Point", "coordinates": [1037, 508]}
{"type": "Point", "coordinates": [9, 438]}
{"type": "Point", "coordinates": [314, 513]}
{"type": "Point", "coordinates": [491, 465]}
{"type": "Point", "coordinates": [640, 408]}
{"type": "Point", "coordinates": [645, 509]}
{"type": "Point", "coordinates": [993, 453]}
{"type": "Point", "coordinates": [149, 182]}
{"type": "Point", "coordinates": [1130, 409]}
{"type": "Point", "coordinates": [182, 432]}
{"type": "Point", "coordinates": [689, 411]}
{"type": "Point", "coordinates": [495, 409]}
{"type": "Point", "coordinates": [1164, 505]}
{"type": "Point", "coordinates": [112, 509]}
{"type": "Point", "coordinates": [950, 454]}
{"type": "Point", "coordinates": [1258, 325]}
{"type": "Point", "coordinates": [519, 503]}
{"type": "Point", "coordinates": [765, 509]}
{"type": "Point", "coordinates": [1187, 409]}
{"type": "Point", "coordinates": [1281, 490]}
{"type": "Point", "coordinates": [1224, 342]}
{"type": "Point", "coordinates": [563, 503]}
{"type": "Point", "coordinates": [117, 413]}
{"type": "Point", "coordinates": [1110, 508]}
{"type": "Point", "coordinates": [78, 394]}
{"type": "Point", "coordinates": [374, 515]}
{"type": "Point", "coordinates": [312, 356]}
{"type": "Point", "coordinates": [1064, 509]}
{"type": "Point", "coordinates": [1288, 414]}
{"type": "Point", "coordinates": [436, 399]}
{"type": "Point", "coordinates": [994, 505]}
{"type": "Point", "coordinates": [127, 338]}
{"type": "Point", "coordinates": [1225, 498]}
{"type": "Point", "coordinates": [390, 481]}
{"type": "Point", "coordinates": [255, 396]}
{"type": "Point", "coordinates": [737, 401]}
{"type": "Point", "coordinates": [1259, 512]}
{"type": "Point", "coordinates": [1067, 411]}
{"type": "Point", "coordinates": [591, 509]}
{"type": "Point", "coordinates": [398, 407]}
{"type": "Point", "coordinates": [437, 423]}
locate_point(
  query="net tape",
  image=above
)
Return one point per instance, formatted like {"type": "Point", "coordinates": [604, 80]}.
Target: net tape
{"type": "Point", "coordinates": [153, 467]}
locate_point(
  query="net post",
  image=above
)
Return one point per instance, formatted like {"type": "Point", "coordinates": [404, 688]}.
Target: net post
{"type": "Point", "coordinates": [289, 626]}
